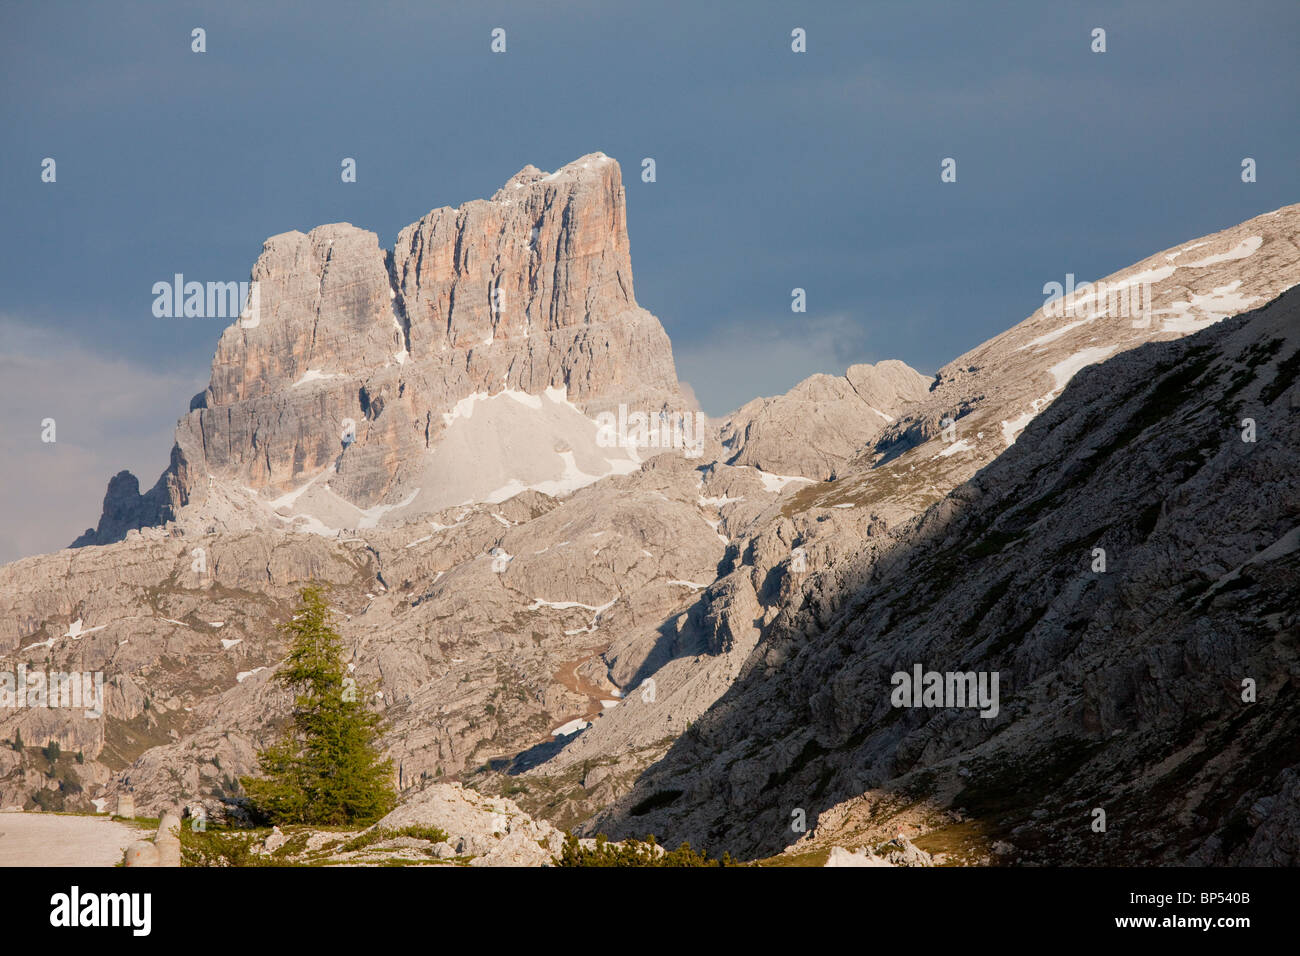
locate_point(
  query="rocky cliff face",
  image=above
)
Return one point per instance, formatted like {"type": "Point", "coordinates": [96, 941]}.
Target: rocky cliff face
{"type": "Point", "coordinates": [357, 361]}
{"type": "Point", "coordinates": [694, 644]}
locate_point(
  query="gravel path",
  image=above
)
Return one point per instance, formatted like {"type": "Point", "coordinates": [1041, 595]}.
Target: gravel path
{"type": "Point", "coordinates": [47, 839]}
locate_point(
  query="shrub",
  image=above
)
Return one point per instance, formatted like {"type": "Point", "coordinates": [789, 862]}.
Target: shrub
{"type": "Point", "coordinates": [633, 853]}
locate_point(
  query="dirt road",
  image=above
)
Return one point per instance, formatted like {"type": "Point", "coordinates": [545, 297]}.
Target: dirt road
{"type": "Point", "coordinates": [48, 839]}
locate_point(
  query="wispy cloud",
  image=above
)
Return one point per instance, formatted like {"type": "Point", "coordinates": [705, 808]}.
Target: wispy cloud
{"type": "Point", "coordinates": [109, 414]}
{"type": "Point", "coordinates": [740, 361]}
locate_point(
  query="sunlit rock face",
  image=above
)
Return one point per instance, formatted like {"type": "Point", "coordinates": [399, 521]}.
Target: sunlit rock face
{"type": "Point", "coordinates": [336, 386]}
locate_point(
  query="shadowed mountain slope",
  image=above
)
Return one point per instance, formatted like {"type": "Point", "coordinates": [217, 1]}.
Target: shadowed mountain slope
{"type": "Point", "coordinates": [1120, 689]}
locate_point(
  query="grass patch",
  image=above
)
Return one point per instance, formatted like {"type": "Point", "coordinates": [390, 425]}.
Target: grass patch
{"type": "Point", "coordinates": [634, 853]}
{"type": "Point", "coordinates": [812, 858]}
{"type": "Point", "coordinates": [379, 835]}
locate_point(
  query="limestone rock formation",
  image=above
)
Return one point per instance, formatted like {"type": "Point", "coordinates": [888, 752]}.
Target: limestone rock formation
{"type": "Point", "coordinates": [338, 399]}
{"type": "Point", "coordinates": [823, 422]}
{"type": "Point", "coordinates": [125, 510]}
{"type": "Point", "coordinates": [494, 831]}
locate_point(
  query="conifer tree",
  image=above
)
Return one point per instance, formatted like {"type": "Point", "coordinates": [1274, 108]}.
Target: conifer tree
{"type": "Point", "coordinates": [327, 769]}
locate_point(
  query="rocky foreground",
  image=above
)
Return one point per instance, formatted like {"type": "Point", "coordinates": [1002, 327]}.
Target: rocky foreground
{"type": "Point", "coordinates": [444, 824]}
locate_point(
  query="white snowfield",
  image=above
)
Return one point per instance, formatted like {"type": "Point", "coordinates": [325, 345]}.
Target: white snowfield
{"type": "Point", "coordinates": [1205, 309]}
{"type": "Point", "coordinates": [777, 483]}
{"type": "Point", "coordinates": [494, 447]}
{"type": "Point", "coordinates": [76, 631]}
{"type": "Point", "coordinates": [1061, 373]}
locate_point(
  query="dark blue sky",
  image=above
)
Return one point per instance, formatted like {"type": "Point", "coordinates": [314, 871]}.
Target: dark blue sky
{"type": "Point", "coordinates": [775, 170]}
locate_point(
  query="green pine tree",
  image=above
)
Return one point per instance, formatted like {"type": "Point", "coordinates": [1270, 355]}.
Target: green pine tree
{"type": "Point", "coordinates": [327, 769]}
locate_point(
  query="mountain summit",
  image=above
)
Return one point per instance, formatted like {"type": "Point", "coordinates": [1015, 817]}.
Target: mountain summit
{"type": "Point", "coordinates": [342, 401]}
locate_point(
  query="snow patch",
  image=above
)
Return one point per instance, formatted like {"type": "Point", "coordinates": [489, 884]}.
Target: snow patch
{"type": "Point", "coordinates": [1289, 543]}
{"type": "Point", "coordinates": [1247, 247]}
{"type": "Point", "coordinates": [572, 727]}
{"type": "Point", "coordinates": [315, 375]}
{"type": "Point", "coordinates": [566, 605]}
{"type": "Point", "coordinates": [77, 632]}
{"type": "Point", "coordinates": [1011, 428]}
{"type": "Point", "coordinates": [717, 502]}
{"type": "Point", "coordinates": [774, 482]}
{"type": "Point", "coordinates": [1205, 309]}
{"type": "Point", "coordinates": [1054, 335]}
{"type": "Point", "coordinates": [1066, 369]}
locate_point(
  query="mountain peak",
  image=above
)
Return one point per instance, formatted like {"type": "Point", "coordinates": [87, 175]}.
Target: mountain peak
{"type": "Point", "coordinates": [359, 357]}
{"type": "Point", "coordinates": [592, 166]}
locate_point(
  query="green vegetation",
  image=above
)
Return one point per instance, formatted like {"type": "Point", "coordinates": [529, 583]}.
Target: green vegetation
{"type": "Point", "coordinates": [326, 770]}
{"type": "Point", "coordinates": [237, 846]}
{"type": "Point", "coordinates": [633, 853]}
{"type": "Point", "coordinates": [378, 835]}
{"type": "Point", "coordinates": [813, 858]}
{"type": "Point", "coordinates": [221, 848]}
{"type": "Point", "coordinates": [419, 831]}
